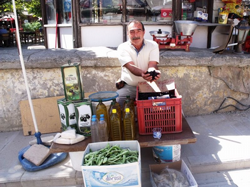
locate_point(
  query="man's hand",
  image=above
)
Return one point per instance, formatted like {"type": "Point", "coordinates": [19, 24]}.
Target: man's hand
{"type": "Point", "coordinates": [146, 76]}
{"type": "Point", "coordinates": [158, 75]}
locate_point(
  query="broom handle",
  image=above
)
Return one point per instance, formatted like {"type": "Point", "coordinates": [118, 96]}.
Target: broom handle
{"type": "Point", "coordinates": [23, 67]}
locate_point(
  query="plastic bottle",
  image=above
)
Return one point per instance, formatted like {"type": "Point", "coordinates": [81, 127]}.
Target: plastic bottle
{"type": "Point", "coordinates": [115, 124]}
{"type": "Point", "coordinates": [102, 109]}
{"type": "Point", "coordinates": [103, 133]}
{"type": "Point", "coordinates": [114, 105]}
{"type": "Point", "coordinates": [129, 103]}
{"type": "Point", "coordinates": [94, 129]}
{"type": "Point", "coordinates": [128, 125]}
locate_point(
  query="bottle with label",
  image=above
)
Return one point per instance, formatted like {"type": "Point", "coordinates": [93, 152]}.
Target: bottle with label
{"type": "Point", "coordinates": [115, 124]}
{"type": "Point", "coordinates": [94, 129]}
{"type": "Point", "coordinates": [103, 129]}
{"type": "Point", "coordinates": [128, 125]}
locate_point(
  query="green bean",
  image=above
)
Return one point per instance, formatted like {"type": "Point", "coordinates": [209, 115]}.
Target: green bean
{"type": "Point", "coordinates": [110, 155]}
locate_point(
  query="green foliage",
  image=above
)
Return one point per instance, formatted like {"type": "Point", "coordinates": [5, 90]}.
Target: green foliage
{"type": "Point", "coordinates": [33, 7]}
{"type": "Point", "coordinates": [33, 26]}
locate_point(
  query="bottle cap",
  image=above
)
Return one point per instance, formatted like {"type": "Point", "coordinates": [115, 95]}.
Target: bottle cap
{"type": "Point", "coordinates": [94, 116]}
{"type": "Point", "coordinates": [127, 110]}
{"type": "Point", "coordinates": [101, 115]}
{"type": "Point", "coordinates": [113, 110]}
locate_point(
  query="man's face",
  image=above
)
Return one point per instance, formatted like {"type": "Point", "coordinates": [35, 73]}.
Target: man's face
{"type": "Point", "coordinates": [136, 34]}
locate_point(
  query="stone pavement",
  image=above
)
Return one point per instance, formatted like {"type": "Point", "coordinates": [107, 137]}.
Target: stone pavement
{"type": "Point", "coordinates": [220, 157]}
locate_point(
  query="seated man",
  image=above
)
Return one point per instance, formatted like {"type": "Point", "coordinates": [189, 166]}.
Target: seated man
{"type": "Point", "coordinates": [3, 30]}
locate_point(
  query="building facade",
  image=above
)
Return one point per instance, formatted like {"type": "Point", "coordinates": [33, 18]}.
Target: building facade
{"type": "Point", "coordinates": [85, 23]}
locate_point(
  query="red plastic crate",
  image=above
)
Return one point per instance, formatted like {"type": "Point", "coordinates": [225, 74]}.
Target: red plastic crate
{"type": "Point", "coordinates": [167, 115]}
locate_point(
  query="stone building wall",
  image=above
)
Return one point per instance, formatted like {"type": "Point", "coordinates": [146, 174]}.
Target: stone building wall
{"type": "Point", "coordinates": [204, 79]}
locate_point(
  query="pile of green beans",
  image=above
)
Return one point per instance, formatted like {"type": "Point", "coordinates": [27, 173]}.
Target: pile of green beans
{"type": "Point", "coordinates": [110, 155]}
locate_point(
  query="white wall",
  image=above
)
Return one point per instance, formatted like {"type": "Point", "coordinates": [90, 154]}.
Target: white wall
{"type": "Point", "coordinates": [51, 35]}
{"type": "Point", "coordinates": [66, 37]}
{"type": "Point", "coordinates": [109, 36]}
{"type": "Point", "coordinates": [200, 37]}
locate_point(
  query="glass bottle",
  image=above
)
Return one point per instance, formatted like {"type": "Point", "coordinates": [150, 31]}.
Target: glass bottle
{"type": "Point", "coordinates": [115, 124]}
{"type": "Point", "coordinates": [128, 125]}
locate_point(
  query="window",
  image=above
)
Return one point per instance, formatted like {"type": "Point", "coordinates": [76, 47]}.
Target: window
{"type": "Point", "coordinates": [106, 11]}
{"type": "Point", "coordinates": [65, 10]}
{"type": "Point", "coordinates": [149, 10]}
{"type": "Point", "coordinates": [100, 11]}
{"type": "Point", "coordinates": [64, 15]}
{"type": "Point", "coordinates": [50, 11]}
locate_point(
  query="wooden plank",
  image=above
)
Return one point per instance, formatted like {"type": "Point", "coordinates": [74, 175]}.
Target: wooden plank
{"type": "Point", "coordinates": [185, 137]}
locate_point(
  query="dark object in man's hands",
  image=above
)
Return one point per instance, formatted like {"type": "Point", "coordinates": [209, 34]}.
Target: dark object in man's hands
{"type": "Point", "coordinates": [153, 74]}
{"type": "Point", "coordinates": [120, 84]}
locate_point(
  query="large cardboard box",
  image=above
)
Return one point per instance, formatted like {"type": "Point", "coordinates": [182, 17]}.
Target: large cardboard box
{"type": "Point", "coordinates": [128, 175]}
{"type": "Point", "coordinates": [179, 165]}
{"type": "Point", "coordinates": [46, 113]}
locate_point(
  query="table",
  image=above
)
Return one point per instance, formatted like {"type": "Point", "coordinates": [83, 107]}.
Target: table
{"type": "Point", "coordinates": [26, 35]}
{"type": "Point", "coordinates": [185, 137]}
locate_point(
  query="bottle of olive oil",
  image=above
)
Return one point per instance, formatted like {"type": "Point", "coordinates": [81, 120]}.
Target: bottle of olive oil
{"type": "Point", "coordinates": [115, 126]}
{"type": "Point", "coordinates": [72, 81]}
{"type": "Point", "coordinates": [128, 125]}
{"type": "Point", "coordinates": [102, 109]}
{"type": "Point", "coordinates": [114, 105]}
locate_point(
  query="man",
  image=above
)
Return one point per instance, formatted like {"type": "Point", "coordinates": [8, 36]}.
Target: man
{"type": "Point", "coordinates": [136, 57]}
{"type": "Point", "coordinates": [2, 31]}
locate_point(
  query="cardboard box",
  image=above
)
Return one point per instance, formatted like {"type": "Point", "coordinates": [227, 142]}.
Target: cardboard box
{"type": "Point", "coordinates": [128, 175]}
{"type": "Point", "coordinates": [46, 112]}
{"type": "Point", "coordinates": [157, 86]}
{"type": "Point", "coordinates": [166, 13]}
{"type": "Point", "coordinates": [179, 165]}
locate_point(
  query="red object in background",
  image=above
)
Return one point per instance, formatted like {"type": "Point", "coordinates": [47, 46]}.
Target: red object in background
{"type": "Point", "coordinates": [191, 1]}
{"type": "Point", "coordinates": [247, 44]}
{"type": "Point", "coordinates": [165, 13]}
